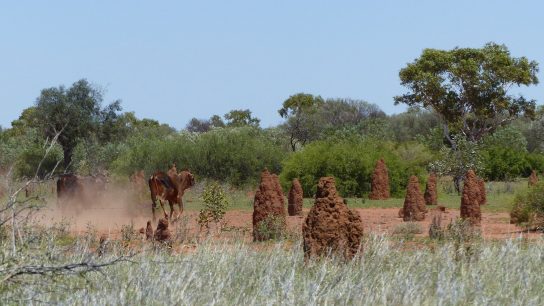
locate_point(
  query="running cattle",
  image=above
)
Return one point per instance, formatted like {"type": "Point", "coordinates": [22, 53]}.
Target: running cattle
{"type": "Point", "coordinates": [72, 187]}
{"type": "Point", "coordinates": [169, 187]}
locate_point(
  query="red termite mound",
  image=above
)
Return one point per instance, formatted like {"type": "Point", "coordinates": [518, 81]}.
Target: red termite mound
{"type": "Point", "coordinates": [330, 225]}
{"type": "Point", "coordinates": [162, 233]}
{"type": "Point", "coordinates": [414, 208]}
{"type": "Point", "coordinates": [431, 195]}
{"type": "Point", "coordinates": [295, 199]}
{"type": "Point", "coordinates": [470, 201]}
{"type": "Point", "coordinates": [533, 178]}
{"type": "Point", "coordinates": [268, 207]}
{"type": "Point", "coordinates": [380, 182]}
{"type": "Point", "coordinates": [483, 193]}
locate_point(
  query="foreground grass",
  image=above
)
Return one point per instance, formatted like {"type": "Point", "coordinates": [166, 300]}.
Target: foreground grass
{"type": "Point", "coordinates": [236, 273]}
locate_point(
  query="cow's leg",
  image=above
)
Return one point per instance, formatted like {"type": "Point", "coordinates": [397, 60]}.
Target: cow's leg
{"type": "Point", "coordinates": [163, 210]}
{"type": "Point", "coordinates": [180, 206]}
{"type": "Point", "coordinates": [153, 206]}
{"type": "Point", "coordinates": [171, 209]}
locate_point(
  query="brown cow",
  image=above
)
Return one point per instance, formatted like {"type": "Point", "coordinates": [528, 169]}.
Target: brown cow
{"type": "Point", "coordinates": [169, 187]}
{"type": "Point", "coordinates": [82, 188]}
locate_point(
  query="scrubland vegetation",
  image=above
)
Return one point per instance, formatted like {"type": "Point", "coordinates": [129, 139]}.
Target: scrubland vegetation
{"type": "Point", "coordinates": [447, 129]}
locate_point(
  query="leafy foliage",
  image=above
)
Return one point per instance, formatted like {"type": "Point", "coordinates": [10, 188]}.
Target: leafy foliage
{"type": "Point", "coordinates": [351, 162]}
{"type": "Point", "coordinates": [236, 155]}
{"type": "Point", "coordinates": [469, 88]}
{"type": "Point", "coordinates": [240, 118]}
{"type": "Point", "coordinates": [529, 207]}
{"type": "Point", "coordinates": [77, 112]}
{"type": "Point", "coordinates": [215, 205]}
{"type": "Point", "coordinates": [456, 162]}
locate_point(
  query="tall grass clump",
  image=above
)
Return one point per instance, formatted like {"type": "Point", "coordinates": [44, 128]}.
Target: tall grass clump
{"type": "Point", "coordinates": [220, 273]}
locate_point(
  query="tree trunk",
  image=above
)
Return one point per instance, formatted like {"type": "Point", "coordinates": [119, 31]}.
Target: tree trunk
{"type": "Point", "coordinates": [457, 183]}
{"type": "Point", "coordinates": [68, 151]}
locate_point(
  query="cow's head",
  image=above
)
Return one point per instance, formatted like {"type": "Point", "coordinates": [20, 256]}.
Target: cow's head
{"type": "Point", "coordinates": [185, 180]}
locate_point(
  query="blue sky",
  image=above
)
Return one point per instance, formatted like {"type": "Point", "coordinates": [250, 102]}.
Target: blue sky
{"type": "Point", "coordinates": [174, 60]}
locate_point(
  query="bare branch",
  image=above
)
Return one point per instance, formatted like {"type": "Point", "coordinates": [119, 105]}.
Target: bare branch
{"type": "Point", "coordinates": [68, 269]}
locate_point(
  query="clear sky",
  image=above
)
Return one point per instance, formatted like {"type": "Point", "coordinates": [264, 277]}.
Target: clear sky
{"type": "Point", "coordinates": [174, 60]}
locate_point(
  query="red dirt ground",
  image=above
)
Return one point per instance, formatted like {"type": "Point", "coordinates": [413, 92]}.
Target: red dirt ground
{"type": "Point", "coordinates": [375, 220]}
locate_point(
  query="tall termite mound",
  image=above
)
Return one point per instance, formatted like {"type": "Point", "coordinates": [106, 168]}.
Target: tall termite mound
{"type": "Point", "coordinates": [414, 208]}
{"type": "Point", "coordinates": [431, 195]}
{"type": "Point", "coordinates": [470, 200]}
{"type": "Point", "coordinates": [483, 192]}
{"type": "Point", "coordinates": [268, 208]}
{"type": "Point", "coordinates": [533, 178]}
{"type": "Point", "coordinates": [330, 225]}
{"type": "Point", "coordinates": [295, 199]}
{"type": "Point", "coordinates": [380, 182]}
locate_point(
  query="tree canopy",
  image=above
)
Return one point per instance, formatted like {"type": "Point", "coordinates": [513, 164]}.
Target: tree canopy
{"type": "Point", "coordinates": [470, 88]}
{"type": "Point", "coordinates": [239, 118]}
{"type": "Point", "coordinates": [301, 125]}
{"type": "Point", "coordinates": [76, 113]}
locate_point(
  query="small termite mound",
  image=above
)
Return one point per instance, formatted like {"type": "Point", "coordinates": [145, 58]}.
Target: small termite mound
{"type": "Point", "coordinates": [268, 208]}
{"type": "Point", "coordinates": [162, 234]}
{"type": "Point", "coordinates": [414, 208]}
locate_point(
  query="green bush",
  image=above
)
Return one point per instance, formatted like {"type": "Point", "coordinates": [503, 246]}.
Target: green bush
{"type": "Point", "coordinates": [351, 162]}
{"type": "Point", "coordinates": [528, 207]}
{"type": "Point", "coordinates": [215, 205]}
{"type": "Point", "coordinates": [24, 152]}
{"type": "Point", "coordinates": [504, 163]}
{"type": "Point", "coordinates": [505, 156]}
{"type": "Point", "coordinates": [234, 155]}
{"type": "Point", "coordinates": [507, 163]}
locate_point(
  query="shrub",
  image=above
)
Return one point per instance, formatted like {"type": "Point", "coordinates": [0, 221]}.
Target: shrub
{"type": "Point", "coordinates": [215, 205]}
{"type": "Point", "coordinates": [351, 162]}
{"type": "Point", "coordinates": [235, 155]}
{"type": "Point", "coordinates": [25, 151]}
{"type": "Point", "coordinates": [435, 229]}
{"type": "Point", "coordinates": [528, 207]}
{"type": "Point", "coordinates": [407, 230]}
{"type": "Point", "coordinates": [461, 231]}
{"type": "Point", "coordinates": [504, 163]}
{"type": "Point", "coordinates": [272, 227]}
